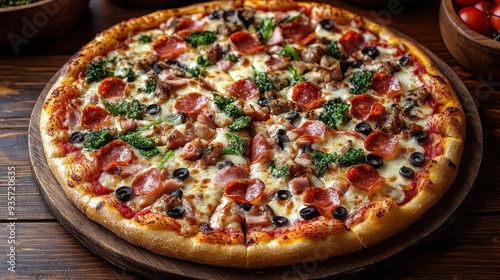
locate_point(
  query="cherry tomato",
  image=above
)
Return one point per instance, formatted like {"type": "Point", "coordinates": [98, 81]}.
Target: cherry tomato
{"type": "Point", "coordinates": [475, 19]}
{"type": "Point", "coordinates": [495, 18]}
{"type": "Point", "coordinates": [482, 6]}
{"type": "Point", "coordinates": [465, 3]}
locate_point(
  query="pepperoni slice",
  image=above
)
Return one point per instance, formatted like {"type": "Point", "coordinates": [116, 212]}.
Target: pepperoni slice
{"type": "Point", "coordinates": [245, 43]}
{"type": "Point", "coordinates": [99, 189]}
{"type": "Point", "coordinates": [146, 182]}
{"type": "Point", "coordinates": [260, 148]}
{"type": "Point", "coordinates": [95, 117]}
{"type": "Point", "coordinates": [115, 153]}
{"type": "Point", "coordinates": [296, 31]}
{"type": "Point", "coordinates": [245, 191]}
{"type": "Point", "coordinates": [169, 47]}
{"type": "Point", "coordinates": [112, 87]}
{"type": "Point", "coordinates": [381, 144]}
{"type": "Point", "coordinates": [245, 89]}
{"type": "Point", "coordinates": [188, 25]}
{"type": "Point", "coordinates": [126, 211]}
{"type": "Point", "coordinates": [312, 130]}
{"type": "Point", "coordinates": [365, 107]}
{"type": "Point", "coordinates": [307, 95]}
{"type": "Point", "coordinates": [191, 103]}
{"type": "Point", "coordinates": [351, 41]}
{"type": "Point", "coordinates": [323, 199]}
{"type": "Point", "coordinates": [386, 84]}
{"type": "Point", "coordinates": [364, 177]}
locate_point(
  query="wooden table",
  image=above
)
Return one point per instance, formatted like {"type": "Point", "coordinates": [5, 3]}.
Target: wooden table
{"type": "Point", "coordinates": [468, 249]}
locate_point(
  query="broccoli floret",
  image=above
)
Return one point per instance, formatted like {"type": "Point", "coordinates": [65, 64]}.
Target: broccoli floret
{"type": "Point", "coordinates": [97, 70]}
{"type": "Point", "coordinates": [351, 157]}
{"type": "Point", "coordinates": [144, 145]}
{"type": "Point", "coordinates": [240, 123]}
{"type": "Point", "coordinates": [333, 50]}
{"type": "Point", "coordinates": [295, 77]}
{"type": "Point", "coordinates": [197, 71]}
{"type": "Point", "coordinates": [144, 39]}
{"type": "Point", "coordinates": [280, 172]}
{"type": "Point", "coordinates": [321, 161]}
{"type": "Point", "coordinates": [222, 101]}
{"type": "Point", "coordinates": [360, 81]}
{"type": "Point", "coordinates": [201, 38]}
{"type": "Point", "coordinates": [266, 29]}
{"type": "Point", "coordinates": [225, 104]}
{"type": "Point", "coordinates": [203, 61]}
{"type": "Point", "coordinates": [232, 57]}
{"type": "Point", "coordinates": [127, 72]}
{"type": "Point", "coordinates": [237, 146]}
{"type": "Point", "coordinates": [95, 139]}
{"type": "Point", "coordinates": [133, 110]}
{"type": "Point", "coordinates": [335, 113]}
{"type": "Point", "coordinates": [150, 85]}
{"type": "Point", "coordinates": [263, 82]}
{"type": "Point", "coordinates": [290, 52]}
{"type": "Point", "coordinates": [233, 111]}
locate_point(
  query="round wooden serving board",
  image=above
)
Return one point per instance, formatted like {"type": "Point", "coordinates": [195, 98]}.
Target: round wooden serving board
{"type": "Point", "coordinates": [381, 256]}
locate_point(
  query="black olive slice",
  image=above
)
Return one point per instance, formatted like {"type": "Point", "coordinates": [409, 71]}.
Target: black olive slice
{"type": "Point", "coordinates": [175, 212]}
{"type": "Point", "coordinates": [228, 15]}
{"type": "Point", "coordinates": [215, 15]}
{"type": "Point", "coordinates": [177, 193]}
{"type": "Point", "coordinates": [246, 17]}
{"type": "Point", "coordinates": [181, 173]}
{"type": "Point", "coordinates": [280, 221]}
{"type": "Point", "coordinates": [263, 101]}
{"type": "Point", "coordinates": [370, 51]}
{"type": "Point", "coordinates": [374, 160]}
{"type": "Point", "coordinates": [76, 137]}
{"type": "Point", "coordinates": [153, 109]}
{"type": "Point", "coordinates": [363, 128]}
{"type": "Point", "coordinates": [173, 62]}
{"type": "Point", "coordinates": [416, 159]}
{"type": "Point", "coordinates": [291, 116]}
{"type": "Point", "coordinates": [307, 148]}
{"type": "Point", "coordinates": [420, 136]}
{"type": "Point", "coordinates": [223, 164]}
{"type": "Point", "coordinates": [327, 24]}
{"type": "Point", "coordinates": [123, 193]}
{"type": "Point", "coordinates": [283, 194]}
{"type": "Point", "coordinates": [246, 207]}
{"type": "Point", "coordinates": [408, 104]}
{"type": "Point", "coordinates": [282, 138]}
{"type": "Point", "coordinates": [129, 79]}
{"type": "Point", "coordinates": [403, 61]}
{"type": "Point", "coordinates": [340, 213]}
{"type": "Point", "coordinates": [406, 172]}
{"type": "Point", "coordinates": [309, 213]}
{"type": "Point", "coordinates": [157, 68]}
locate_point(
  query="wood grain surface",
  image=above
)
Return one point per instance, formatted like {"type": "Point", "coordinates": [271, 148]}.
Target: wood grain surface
{"type": "Point", "coordinates": [468, 249]}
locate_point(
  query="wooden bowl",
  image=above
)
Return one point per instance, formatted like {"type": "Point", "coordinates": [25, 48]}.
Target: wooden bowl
{"type": "Point", "coordinates": [478, 53]}
{"type": "Point", "coordinates": [45, 18]}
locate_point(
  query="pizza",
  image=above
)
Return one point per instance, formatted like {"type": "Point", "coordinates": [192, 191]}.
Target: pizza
{"type": "Point", "coordinates": [252, 133]}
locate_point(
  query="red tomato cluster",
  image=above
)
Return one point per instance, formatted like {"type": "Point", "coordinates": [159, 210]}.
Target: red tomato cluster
{"type": "Point", "coordinates": [482, 16]}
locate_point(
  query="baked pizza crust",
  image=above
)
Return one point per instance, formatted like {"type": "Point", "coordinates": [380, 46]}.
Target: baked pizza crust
{"type": "Point", "coordinates": [382, 220]}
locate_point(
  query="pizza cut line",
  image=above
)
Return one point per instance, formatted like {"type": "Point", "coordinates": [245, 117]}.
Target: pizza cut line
{"type": "Point", "coordinates": [252, 133]}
